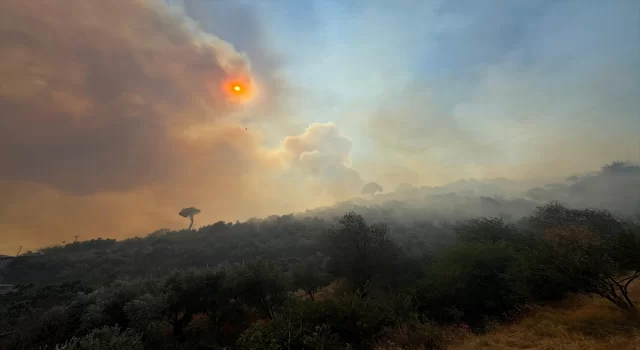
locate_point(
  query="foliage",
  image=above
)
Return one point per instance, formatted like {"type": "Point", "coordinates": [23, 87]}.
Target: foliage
{"type": "Point", "coordinates": [261, 285]}
{"type": "Point", "coordinates": [189, 213]}
{"type": "Point", "coordinates": [428, 335]}
{"type": "Point", "coordinates": [360, 252]}
{"type": "Point", "coordinates": [105, 338]}
{"type": "Point", "coordinates": [481, 267]}
{"type": "Point", "coordinates": [275, 283]}
{"type": "Point", "coordinates": [592, 251]}
{"type": "Point", "coordinates": [327, 324]}
{"type": "Point", "coordinates": [308, 275]}
{"type": "Point", "coordinates": [487, 230]}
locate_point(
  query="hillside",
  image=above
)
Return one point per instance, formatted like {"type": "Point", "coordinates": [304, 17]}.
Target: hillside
{"type": "Point", "coordinates": [577, 323]}
{"type": "Point", "coordinates": [319, 175]}
{"type": "Point", "coordinates": [614, 187]}
{"type": "Point", "coordinates": [263, 284]}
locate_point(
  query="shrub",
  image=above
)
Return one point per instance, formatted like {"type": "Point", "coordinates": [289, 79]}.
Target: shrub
{"type": "Point", "coordinates": [105, 338]}
{"type": "Point", "coordinates": [469, 282]}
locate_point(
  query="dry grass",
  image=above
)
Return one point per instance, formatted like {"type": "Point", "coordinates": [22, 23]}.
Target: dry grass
{"type": "Point", "coordinates": [577, 323]}
{"type": "Point", "coordinates": [423, 337]}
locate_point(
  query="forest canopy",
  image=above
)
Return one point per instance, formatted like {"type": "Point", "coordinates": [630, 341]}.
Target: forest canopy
{"type": "Point", "coordinates": [307, 283]}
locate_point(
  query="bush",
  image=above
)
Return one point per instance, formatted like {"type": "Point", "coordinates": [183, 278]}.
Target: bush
{"type": "Point", "coordinates": [329, 324]}
{"type": "Point", "coordinates": [420, 336]}
{"type": "Point", "coordinates": [259, 336]}
{"type": "Point", "coordinates": [105, 338]}
{"type": "Point", "coordinates": [468, 283]}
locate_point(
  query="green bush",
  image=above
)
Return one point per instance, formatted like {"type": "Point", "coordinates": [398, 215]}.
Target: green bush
{"type": "Point", "coordinates": [105, 338]}
{"type": "Point", "coordinates": [470, 282]}
{"type": "Point", "coordinates": [261, 336]}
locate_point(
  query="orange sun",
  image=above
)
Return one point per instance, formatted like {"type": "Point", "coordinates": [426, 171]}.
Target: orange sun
{"type": "Point", "coordinates": [238, 90]}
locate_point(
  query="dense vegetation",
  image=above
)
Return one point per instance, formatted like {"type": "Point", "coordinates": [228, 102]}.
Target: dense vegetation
{"type": "Point", "coordinates": [309, 283]}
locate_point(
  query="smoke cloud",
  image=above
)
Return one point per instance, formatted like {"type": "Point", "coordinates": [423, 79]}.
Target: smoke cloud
{"type": "Point", "coordinates": [321, 154]}
{"type": "Point", "coordinates": [92, 106]}
{"type": "Point", "coordinates": [114, 117]}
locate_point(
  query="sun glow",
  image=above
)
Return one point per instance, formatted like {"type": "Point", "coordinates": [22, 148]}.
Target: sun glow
{"type": "Point", "coordinates": [238, 89]}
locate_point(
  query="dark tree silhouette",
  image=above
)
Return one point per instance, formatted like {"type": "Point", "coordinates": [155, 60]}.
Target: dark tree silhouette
{"type": "Point", "coordinates": [189, 213]}
{"type": "Point", "coordinates": [359, 251]}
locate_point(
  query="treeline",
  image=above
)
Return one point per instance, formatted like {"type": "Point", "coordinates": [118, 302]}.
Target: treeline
{"type": "Point", "coordinates": [284, 283]}
{"type": "Point", "coordinates": [99, 262]}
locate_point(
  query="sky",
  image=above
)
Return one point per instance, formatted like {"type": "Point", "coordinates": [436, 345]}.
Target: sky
{"type": "Point", "coordinates": [115, 115]}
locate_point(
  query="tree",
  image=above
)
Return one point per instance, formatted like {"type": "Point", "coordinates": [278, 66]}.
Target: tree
{"type": "Point", "coordinates": [308, 276]}
{"type": "Point", "coordinates": [183, 295]}
{"type": "Point", "coordinates": [469, 282]}
{"type": "Point", "coordinates": [189, 213]}
{"type": "Point", "coordinates": [108, 307]}
{"type": "Point", "coordinates": [262, 285]}
{"type": "Point", "coordinates": [217, 302]}
{"type": "Point", "coordinates": [105, 338]}
{"type": "Point", "coordinates": [146, 314]}
{"type": "Point", "coordinates": [371, 188]}
{"type": "Point", "coordinates": [590, 250]}
{"type": "Point", "coordinates": [486, 229]}
{"type": "Point", "coordinates": [359, 251]}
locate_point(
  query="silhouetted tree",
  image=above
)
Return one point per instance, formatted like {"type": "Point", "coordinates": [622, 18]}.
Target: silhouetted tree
{"type": "Point", "coordinates": [359, 251]}
{"type": "Point", "coordinates": [189, 213]}
{"type": "Point", "coordinates": [184, 294]}
{"type": "Point", "coordinates": [308, 276]}
{"type": "Point", "coordinates": [261, 285]}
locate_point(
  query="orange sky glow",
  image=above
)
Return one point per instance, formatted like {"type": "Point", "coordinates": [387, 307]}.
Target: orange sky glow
{"type": "Point", "coordinates": [239, 90]}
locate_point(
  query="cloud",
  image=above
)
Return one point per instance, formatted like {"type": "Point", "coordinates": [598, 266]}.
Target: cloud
{"type": "Point", "coordinates": [240, 23]}
{"type": "Point", "coordinates": [514, 91]}
{"type": "Point", "coordinates": [613, 188]}
{"type": "Point", "coordinates": [91, 106]}
{"type": "Point", "coordinates": [417, 140]}
{"type": "Point", "coordinates": [551, 98]}
{"type": "Point", "coordinates": [322, 154]}
{"type": "Point", "coordinates": [114, 118]}
{"type": "Point", "coordinates": [371, 188]}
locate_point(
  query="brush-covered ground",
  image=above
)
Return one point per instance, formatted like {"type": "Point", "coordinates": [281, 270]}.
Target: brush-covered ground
{"type": "Point", "coordinates": [484, 283]}
{"type": "Point", "coordinates": [577, 323]}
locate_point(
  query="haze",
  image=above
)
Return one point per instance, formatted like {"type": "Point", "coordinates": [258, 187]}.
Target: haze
{"type": "Point", "coordinates": [113, 117]}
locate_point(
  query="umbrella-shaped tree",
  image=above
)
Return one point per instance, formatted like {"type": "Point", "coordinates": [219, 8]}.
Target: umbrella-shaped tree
{"type": "Point", "coordinates": [189, 213]}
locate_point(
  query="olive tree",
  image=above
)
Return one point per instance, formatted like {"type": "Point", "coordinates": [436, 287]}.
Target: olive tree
{"type": "Point", "coordinates": [360, 252]}
{"type": "Point", "coordinates": [590, 250]}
